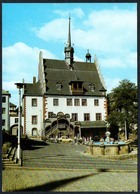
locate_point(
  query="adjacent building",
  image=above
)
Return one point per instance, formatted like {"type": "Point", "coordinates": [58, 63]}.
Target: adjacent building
{"type": "Point", "coordinates": [69, 97]}
{"type": "Point", "coordinates": [5, 110]}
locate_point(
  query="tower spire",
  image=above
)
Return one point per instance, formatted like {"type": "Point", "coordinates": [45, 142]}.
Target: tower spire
{"type": "Point", "coordinates": [69, 34]}
{"type": "Point", "coordinates": [69, 49]}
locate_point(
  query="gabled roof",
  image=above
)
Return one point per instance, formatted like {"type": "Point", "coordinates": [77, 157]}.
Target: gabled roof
{"type": "Point", "coordinates": [12, 105]}
{"type": "Point", "coordinates": [32, 89]}
{"type": "Point", "coordinates": [5, 92]}
{"type": "Point", "coordinates": [58, 71]}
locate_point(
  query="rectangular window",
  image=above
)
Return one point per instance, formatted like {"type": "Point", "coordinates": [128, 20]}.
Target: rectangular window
{"type": "Point", "coordinates": [84, 102]}
{"type": "Point", "coordinates": [16, 120]}
{"type": "Point", "coordinates": [98, 116]}
{"type": "Point", "coordinates": [3, 122]}
{"type": "Point", "coordinates": [55, 102]}
{"type": "Point", "coordinates": [3, 110]}
{"type": "Point", "coordinates": [86, 117]}
{"type": "Point", "coordinates": [76, 102]}
{"type": "Point", "coordinates": [34, 102]}
{"type": "Point", "coordinates": [3, 99]}
{"type": "Point", "coordinates": [50, 114]}
{"type": "Point", "coordinates": [69, 101]}
{"type": "Point", "coordinates": [75, 116]}
{"type": "Point", "coordinates": [96, 102]}
{"type": "Point", "coordinates": [34, 119]}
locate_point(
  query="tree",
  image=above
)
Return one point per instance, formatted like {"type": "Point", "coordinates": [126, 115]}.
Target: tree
{"type": "Point", "coordinates": [123, 106]}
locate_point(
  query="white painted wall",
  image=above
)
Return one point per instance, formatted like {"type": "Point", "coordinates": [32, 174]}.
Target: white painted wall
{"type": "Point", "coordinates": [80, 110]}
{"type": "Point", "coordinates": [12, 120]}
{"type": "Point", "coordinates": [30, 110]}
{"type": "Point", "coordinates": [6, 115]}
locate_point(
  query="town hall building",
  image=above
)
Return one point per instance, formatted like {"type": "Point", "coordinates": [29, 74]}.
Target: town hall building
{"type": "Point", "coordinates": [69, 98]}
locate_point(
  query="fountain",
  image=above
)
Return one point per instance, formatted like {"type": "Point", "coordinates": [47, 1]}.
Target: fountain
{"type": "Point", "coordinates": [108, 147]}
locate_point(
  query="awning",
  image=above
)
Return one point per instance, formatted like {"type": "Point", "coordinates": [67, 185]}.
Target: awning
{"type": "Point", "coordinates": [93, 124]}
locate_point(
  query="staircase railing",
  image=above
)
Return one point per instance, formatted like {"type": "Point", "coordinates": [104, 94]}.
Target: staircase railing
{"type": "Point", "coordinates": [52, 130]}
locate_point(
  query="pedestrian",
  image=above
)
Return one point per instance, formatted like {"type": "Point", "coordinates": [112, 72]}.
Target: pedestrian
{"type": "Point", "coordinates": [75, 139]}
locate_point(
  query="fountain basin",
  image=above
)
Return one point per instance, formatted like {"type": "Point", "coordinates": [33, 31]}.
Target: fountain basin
{"type": "Point", "coordinates": [108, 149]}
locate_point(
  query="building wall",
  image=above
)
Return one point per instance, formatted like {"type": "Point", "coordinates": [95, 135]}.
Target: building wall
{"type": "Point", "coordinates": [80, 110]}
{"type": "Point", "coordinates": [30, 111]}
{"type": "Point", "coordinates": [5, 113]}
{"type": "Point", "coordinates": [14, 124]}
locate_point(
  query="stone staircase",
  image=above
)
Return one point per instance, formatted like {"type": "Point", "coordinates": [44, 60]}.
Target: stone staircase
{"type": "Point", "coordinates": [9, 159]}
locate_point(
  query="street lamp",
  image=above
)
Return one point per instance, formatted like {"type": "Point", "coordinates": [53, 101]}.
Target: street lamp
{"type": "Point", "coordinates": [19, 86]}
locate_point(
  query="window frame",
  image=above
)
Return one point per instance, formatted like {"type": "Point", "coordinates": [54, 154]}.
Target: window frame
{"type": "Point", "coordinates": [98, 116]}
{"type": "Point", "coordinates": [84, 103]}
{"type": "Point", "coordinates": [55, 102]}
{"type": "Point", "coordinates": [74, 116]}
{"type": "Point", "coordinates": [34, 119]}
{"type": "Point", "coordinates": [3, 99]}
{"type": "Point", "coordinates": [77, 102]}
{"type": "Point", "coordinates": [96, 102]}
{"type": "Point", "coordinates": [69, 101]}
{"type": "Point", "coordinates": [34, 102]}
{"type": "Point", "coordinates": [86, 116]}
{"type": "Point", "coordinates": [16, 120]}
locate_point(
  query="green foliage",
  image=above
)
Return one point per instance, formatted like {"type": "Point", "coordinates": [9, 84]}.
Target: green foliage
{"type": "Point", "coordinates": [123, 105]}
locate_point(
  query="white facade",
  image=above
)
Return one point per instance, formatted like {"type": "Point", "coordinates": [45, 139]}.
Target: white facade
{"type": "Point", "coordinates": [90, 108]}
{"type": "Point", "coordinates": [5, 111]}
{"type": "Point", "coordinates": [14, 124]}
{"type": "Point", "coordinates": [33, 116]}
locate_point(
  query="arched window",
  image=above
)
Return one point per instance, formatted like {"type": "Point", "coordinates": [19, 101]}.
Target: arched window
{"type": "Point", "coordinates": [34, 132]}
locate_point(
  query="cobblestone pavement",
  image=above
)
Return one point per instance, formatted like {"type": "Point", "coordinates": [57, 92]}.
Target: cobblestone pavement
{"type": "Point", "coordinates": [68, 181]}
{"type": "Point", "coordinates": [67, 168]}
{"type": "Point", "coordinates": [71, 156]}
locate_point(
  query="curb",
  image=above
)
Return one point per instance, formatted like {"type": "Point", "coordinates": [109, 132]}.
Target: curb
{"type": "Point", "coordinates": [62, 169]}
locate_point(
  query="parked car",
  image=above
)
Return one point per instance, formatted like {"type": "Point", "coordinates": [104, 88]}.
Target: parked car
{"type": "Point", "coordinates": [65, 139]}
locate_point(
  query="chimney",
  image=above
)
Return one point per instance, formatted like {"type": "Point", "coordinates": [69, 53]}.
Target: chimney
{"type": "Point", "coordinates": [34, 80]}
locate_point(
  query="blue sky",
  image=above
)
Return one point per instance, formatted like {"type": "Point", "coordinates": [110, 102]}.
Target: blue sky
{"type": "Point", "coordinates": [108, 30]}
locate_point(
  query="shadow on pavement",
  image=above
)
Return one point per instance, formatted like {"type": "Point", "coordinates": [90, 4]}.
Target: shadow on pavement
{"type": "Point", "coordinates": [56, 184]}
{"type": "Point", "coordinates": [30, 144]}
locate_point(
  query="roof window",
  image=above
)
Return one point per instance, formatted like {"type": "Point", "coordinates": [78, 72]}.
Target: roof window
{"type": "Point", "coordinates": [58, 85]}
{"type": "Point", "coordinates": [92, 87]}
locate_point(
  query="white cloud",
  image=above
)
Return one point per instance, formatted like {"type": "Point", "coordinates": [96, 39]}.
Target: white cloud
{"type": "Point", "coordinates": [111, 83]}
{"type": "Point", "coordinates": [54, 30]}
{"type": "Point", "coordinates": [20, 61]}
{"type": "Point", "coordinates": [77, 12]}
{"type": "Point", "coordinates": [105, 31]}
{"type": "Point", "coordinates": [76, 58]}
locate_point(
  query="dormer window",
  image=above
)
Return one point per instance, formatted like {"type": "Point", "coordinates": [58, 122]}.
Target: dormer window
{"type": "Point", "coordinates": [58, 86]}
{"type": "Point", "coordinates": [92, 87]}
{"type": "Point", "coordinates": [77, 87]}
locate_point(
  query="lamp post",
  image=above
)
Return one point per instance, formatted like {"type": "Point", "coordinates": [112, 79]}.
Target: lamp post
{"type": "Point", "coordinates": [19, 86]}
